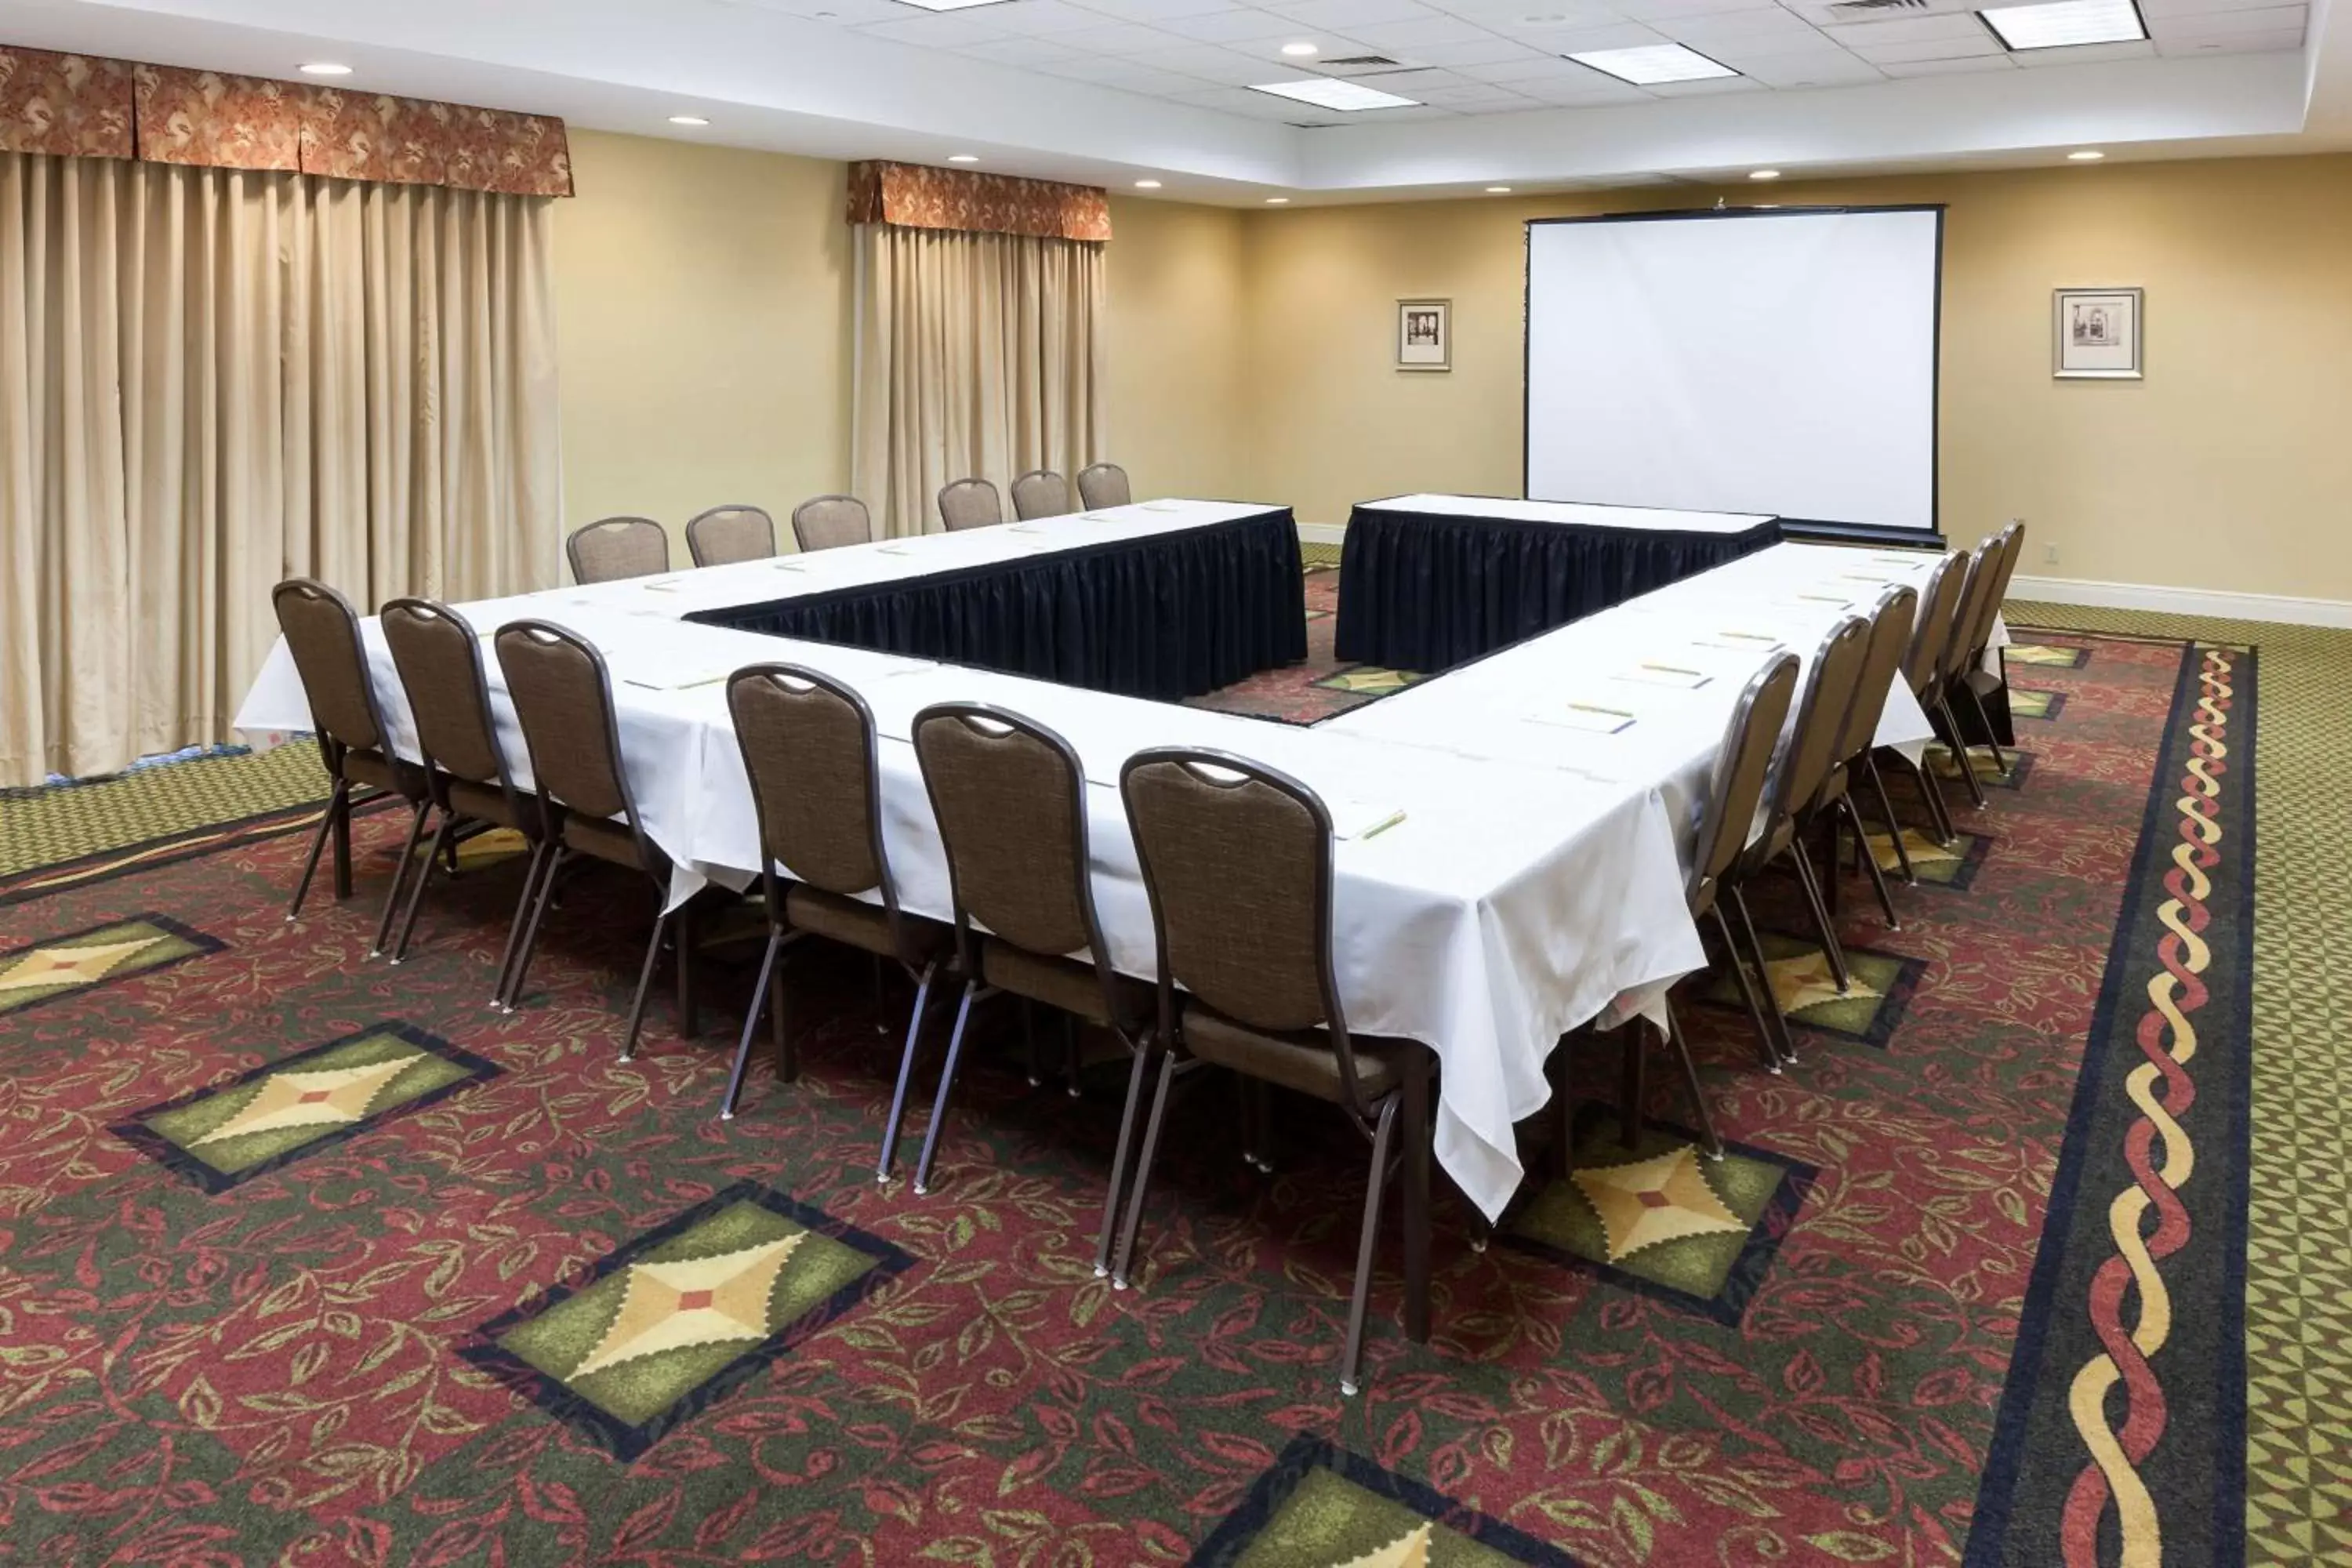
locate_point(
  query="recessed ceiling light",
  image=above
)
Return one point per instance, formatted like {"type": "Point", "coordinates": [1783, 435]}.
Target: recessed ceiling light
{"type": "Point", "coordinates": [1277, 201]}
{"type": "Point", "coordinates": [1146, 185]}
{"type": "Point", "coordinates": [1654, 63]}
{"type": "Point", "coordinates": [1346, 96]}
{"type": "Point", "coordinates": [1763, 174]}
{"type": "Point", "coordinates": [963, 158]}
{"type": "Point", "coordinates": [325, 68]}
{"type": "Point", "coordinates": [1300, 50]}
{"type": "Point", "coordinates": [688, 120]}
{"type": "Point", "coordinates": [2087, 155]}
{"type": "Point", "coordinates": [1498, 190]}
{"type": "Point", "coordinates": [2067, 23]}
{"type": "Point", "coordinates": [949, 4]}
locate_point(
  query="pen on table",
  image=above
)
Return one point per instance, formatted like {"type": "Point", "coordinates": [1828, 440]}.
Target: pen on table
{"type": "Point", "coordinates": [1596, 708]}
{"type": "Point", "coordinates": [1382, 827]}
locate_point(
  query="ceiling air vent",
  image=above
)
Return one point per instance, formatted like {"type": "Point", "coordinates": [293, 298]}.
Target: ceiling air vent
{"type": "Point", "coordinates": [1360, 63]}
{"type": "Point", "coordinates": [1877, 8]}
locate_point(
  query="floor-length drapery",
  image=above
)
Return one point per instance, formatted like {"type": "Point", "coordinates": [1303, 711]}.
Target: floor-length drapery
{"type": "Point", "coordinates": [211, 379]}
{"type": "Point", "coordinates": [979, 355]}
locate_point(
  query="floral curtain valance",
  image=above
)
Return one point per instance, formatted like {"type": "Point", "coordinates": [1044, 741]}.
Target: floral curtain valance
{"type": "Point", "coordinates": [84, 107]}
{"type": "Point", "coordinates": [915, 197]}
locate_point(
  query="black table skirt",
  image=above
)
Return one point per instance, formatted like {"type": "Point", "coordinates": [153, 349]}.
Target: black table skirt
{"type": "Point", "coordinates": [1172, 616]}
{"type": "Point", "coordinates": [1422, 591]}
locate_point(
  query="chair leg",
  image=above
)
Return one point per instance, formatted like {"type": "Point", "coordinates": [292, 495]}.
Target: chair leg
{"type": "Point", "coordinates": [1261, 1107]}
{"type": "Point", "coordinates": [338, 803]}
{"type": "Point", "coordinates": [1136, 1076]}
{"type": "Point", "coordinates": [760, 999]}
{"type": "Point", "coordinates": [788, 1056]}
{"type": "Point", "coordinates": [1418, 1133]}
{"type": "Point", "coordinates": [907, 1067]}
{"type": "Point", "coordinates": [343, 848]}
{"type": "Point", "coordinates": [881, 1003]}
{"type": "Point", "coordinates": [1781, 1039]}
{"type": "Point", "coordinates": [1947, 833]}
{"type": "Point", "coordinates": [1806, 879]}
{"type": "Point", "coordinates": [1870, 862]}
{"type": "Point", "coordinates": [443, 837]}
{"type": "Point", "coordinates": [1894, 824]}
{"type": "Point", "coordinates": [531, 933]}
{"type": "Point", "coordinates": [399, 874]}
{"type": "Point", "coordinates": [645, 984]}
{"type": "Point", "coordinates": [947, 1090]}
{"type": "Point", "coordinates": [531, 868]}
{"type": "Point", "coordinates": [1029, 1043]}
{"type": "Point", "coordinates": [689, 1014]}
{"type": "Point", "coordinates": [1708, 1139]}
{"type": "Point", "coordinates": [1829, 831]}
{"type": "Point", "coordinates": [1630, 1090]}
{"type": "Point", "coordinates": [1984, 717]}
{"type": "Point", "coordinates": [1748, 992]}
{"type": "Point", "coordinates": [1070, 1058]}
{"type": "Point", "coordinates": [1121, 1268]}
{"type": "Point", "coordinates": [1960, 753]}
{"type": "Point", "coordinates": [1351, 1358]}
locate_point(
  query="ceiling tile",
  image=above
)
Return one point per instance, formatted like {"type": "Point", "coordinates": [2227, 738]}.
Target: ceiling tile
{"type": "Point", "coordinates": [1536, 67]}
{"type": "Point", "coordinates": [850, 12]}
{"type": "Point", "coordinates": [1724, 27]}
{"type": "Point", "coordinates": [1834, 67]}
{"type": "Point", "coordinates": [1330, 47]}
{"type": "Point", "coordinates": [1207, 62]}
{"type": "Point", "coordinates": [1704, 87]}
{"type": "Point", "coordinates": [1034, 18]}
{"type": "Point", "coordinates": [1349, 15]}
{"type": "Point", "coordinates": [1122, 73]}
{"type": "Point", "coordinates": [1672, 10]}
{"type": "Point", "coordinates": [1487, 49]}
{"type": "Point", "coordinates": [1999, 61]}
{"type": "Point", "coordinates": [944, 31]}
{"type": "Point", "coordinates": [2086, 54]}
{"type": "Point", "coordinates": [2233, 44]}
{"type": "Point", "coordinates": [2152, 9]}
{"type": "Point", "coordinates": [1547, 13]}
{"type": "Point", "coordinates": [1579, 40]}
{"type": "Point", "coordinates": [1119, 38]}
{"type": "Point", "coordinates": [1233, 26]}
{"type": "Point", "coordinates": [1909, 31]}
{"type": "Point", "coordinates": [2221, 24]}
{"type": "Point", "coordinates": [1153, 11]}
{"type": "Point", "coordinates": [1019, 51]}
{"type": "Point", "coordinates": [1393, 38]}
{"type": "Point", "coordinates": [1933, 49]}
{"type": "Point", "coordinates": [1587, 87]}
{"type": "Point", "coordinates": [1240, 101]}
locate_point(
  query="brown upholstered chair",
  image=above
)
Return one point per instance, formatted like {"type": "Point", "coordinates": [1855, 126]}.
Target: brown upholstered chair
{"type": "Point", "coordinates": [1804, 763]}
{"type": "Point", "coordinates": [1041, 492]}
{"type": "Point", "coordinates": [562, 698]}
{"type": "Point", "coordinates": [1923, 672]}
{"type": "Point", "coordinates": [617, 548]}
{"type": "Point", "coordinates": [1976, 611]}
{"type": "Point", "coordinates": [808, 751]}
{"type": "Point", "coordinates": [1891, 622]}
{"type": "Point", "coordinates": [440, 662]}
{"type": "Point", "coordinates": [1010, 798]}
{"type": "Point", "coordinates": [970, 503]}
{"type": "Point", "coordinates": [1974, 681]}
{"type": "Point", "coordinates": [1237, 862]}
{"type": "Point", "coordinates": [1103, 485]}
{"type": "Point", "coordinates": [829, 522]}
{"type": "Point", "coordinates": [323, 633]}
{"type": "Point", "coordinates": [726, 534]}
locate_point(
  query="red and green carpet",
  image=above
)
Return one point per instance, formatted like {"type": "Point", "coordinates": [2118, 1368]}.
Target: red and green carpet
{"type": "Point", "coordinates": [308, 1259]}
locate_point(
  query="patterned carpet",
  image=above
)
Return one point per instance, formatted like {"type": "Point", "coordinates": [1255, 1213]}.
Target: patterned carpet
{"type": "Point", "coordinates": [309, 1259]}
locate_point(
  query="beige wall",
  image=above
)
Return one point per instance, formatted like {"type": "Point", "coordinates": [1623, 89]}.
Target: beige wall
{"type": "Point", "coordinates": [1176, 348]}
{"type": "Point", "coordinates": [2229, 466]}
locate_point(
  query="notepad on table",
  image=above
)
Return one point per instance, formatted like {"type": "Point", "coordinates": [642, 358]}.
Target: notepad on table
{"type": "Point", "coordinates": [660, 585]}
{"type": "Point", "coordinates": [1594, 717]}
{"type": "Point", "coordinates": [1650, 672]}
{"type": "Point", "coordinates": [1745, 642]}
{"type": "Point", "coordinates": [892, 550]}
{"type": "Point", "coordinates": [1356, 819]}
{"type": "Point", "coordinates": [1842, 602]}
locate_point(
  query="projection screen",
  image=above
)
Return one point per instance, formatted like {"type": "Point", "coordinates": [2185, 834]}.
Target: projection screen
{"type": "Point", "coordinates": [1755, 360]}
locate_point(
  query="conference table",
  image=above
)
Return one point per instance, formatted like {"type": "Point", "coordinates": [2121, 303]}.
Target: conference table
{"type": "Point", "coordinates": [1428, 582]}
{"type": "Point", "coordinates": [1506, 869]}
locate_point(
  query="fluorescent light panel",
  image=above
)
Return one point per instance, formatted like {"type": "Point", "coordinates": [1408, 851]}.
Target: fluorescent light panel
{"type": "Point", "coordinates": [2067, 23]}
{"type": "Point", "coordinates": [949, 4]}
{"type": "Point", "coordinates": [1653, 64]}
{"type": "Point", "coordinates": [1327, 94]}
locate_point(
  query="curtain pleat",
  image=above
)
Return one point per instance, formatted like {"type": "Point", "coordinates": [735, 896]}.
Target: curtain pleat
{"type": "Point", "coordinates": [213, 379]}
{"type": "Point", "coordinates": [979, 355]}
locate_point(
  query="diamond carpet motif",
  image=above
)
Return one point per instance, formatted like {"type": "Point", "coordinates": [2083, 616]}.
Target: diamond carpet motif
{"type": "Point", "coordinates": [81, 961]}
{"type": "Point", "coordinates": [1322, 1506]}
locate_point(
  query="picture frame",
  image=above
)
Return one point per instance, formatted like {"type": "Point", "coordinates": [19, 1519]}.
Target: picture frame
{"type": "Point", "coordinates": [1425, 334]}
{"type": "Point", "coordinates": [2097, 334]}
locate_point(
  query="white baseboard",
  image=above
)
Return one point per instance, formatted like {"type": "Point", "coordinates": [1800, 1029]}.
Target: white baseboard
{"type": "Point", "coordinates": [1321, 533]}
{"type": "Point", "coordinates": [2184, 601]}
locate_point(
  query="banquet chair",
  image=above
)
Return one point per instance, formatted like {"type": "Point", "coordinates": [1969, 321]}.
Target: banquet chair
{"type": "Point", "coordinates": [1010, 798]}
{"type": "Point", "coordinates": [1041, 492]}
{"type": "Point", "coordinates": [1804, 762]}
{"type": "Point", "coordinates": [1103, 485]}
{"type": "Point", "coordinates": [808, 747]}
{"type": "Point", "coordinates": [323, 633]}
{"type": "Point", "coordinates": [726, 534]}
{"type": "Point", "coordinates": [829, 522]}
{"type": "Point", "coordinates": [617, 548]}
{"type": "Point", "coordinates": [1952, 667]}
{"type": "Point", "coordinates": [440, 662]}
{"type": "Point", "coordinates": [1975, 682]}
{"type": "Point", "coordinates": [1854, 753]}
{"type": "Point", "coordinates": [563, 697]}
{"type": "Point", "coordinates": [1923, 666]}
{"type": "Point", "coordinates": [970, 503]}
{"type": "Point", "coordinates": [1237, 864]}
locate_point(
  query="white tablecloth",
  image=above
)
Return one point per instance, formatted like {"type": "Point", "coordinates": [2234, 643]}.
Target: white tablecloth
{"type": "Point", "coordinates": [1589, 513]}
{"type": "Point", "coordinates": [1533, 883]}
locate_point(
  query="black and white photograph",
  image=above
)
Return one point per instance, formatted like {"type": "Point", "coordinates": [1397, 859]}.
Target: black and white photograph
{"type": "Point", "coordinates": [1425, 334]}
{"type": "Point", "coordinates": [2097, 334]}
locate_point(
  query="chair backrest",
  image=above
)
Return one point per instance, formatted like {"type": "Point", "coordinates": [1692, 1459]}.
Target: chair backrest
{"type": "Point", "coordinates": [809, 751]}
{"type": "Point", "coordinates": [1923, 663]}
{"type": "Point", "coordinates": [970, 503]}
{"type": "Point", "coordinates": [563, 697]}
{"type": "Point", "coordinates": [829, 522]}
{"type": "Point", "coordinates": [2012, 548]}
{"type": "Point", "coordinates": [1741, 767]}
{"type": "Point", "coordinates": [323, 633]}
{"type": "Point", "coordinates": [618, 548]}
{"type": "Point", "coordinates": [1891, 620]}
{"type": "Point", "coordinates": [1041, 492]}
{"type": "Point", "coordinates": [1976, 605]}
{"type": "Point", "coordinates": [726, 534]}
{"type": "Point", "coordinates": [1103, 485]}
{"type": "Point", "coordinates": [1009, 795]}
{"type": "Point", "coordinates": [1829, 690]}
{"type": "Point", "coordinates": [2001, 549]}
{"type": "Point", "coordinates": [440, 664]}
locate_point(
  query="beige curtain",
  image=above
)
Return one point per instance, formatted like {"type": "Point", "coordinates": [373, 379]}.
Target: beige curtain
{"type": "Point", "coordinates": [212, 379]}
{"type": "Point", "coordinates": [979, 355]}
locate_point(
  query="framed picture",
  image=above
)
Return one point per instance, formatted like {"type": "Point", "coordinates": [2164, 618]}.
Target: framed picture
{"type": "Point", "coordinates": [2098, 334]}
{"type": "Point", "coordinates": [1425, 334]}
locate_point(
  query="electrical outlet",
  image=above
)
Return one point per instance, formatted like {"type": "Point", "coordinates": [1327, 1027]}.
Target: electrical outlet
{"type": "Point", "coordinates": [2050, 555]}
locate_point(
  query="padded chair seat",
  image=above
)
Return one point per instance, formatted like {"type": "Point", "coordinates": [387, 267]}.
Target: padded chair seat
{"type": "Point", "coordinates": [487, 802]}
{"type": "Point", "coordinates": [864, 926]}
{"type": "Point", "coordinates": [607, 840]}
{"type": "Point", "coordinates": [1301, 1059]}
{"type": "Point", "coordinates": [381, 772]}
{"type": "Point", "coordinates": [1067, 984]}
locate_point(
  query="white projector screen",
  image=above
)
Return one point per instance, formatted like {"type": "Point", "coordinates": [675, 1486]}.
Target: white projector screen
{"type": "Point", "coordinates": [1755, 360]}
